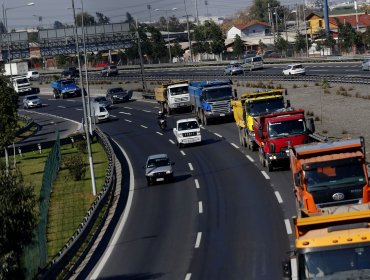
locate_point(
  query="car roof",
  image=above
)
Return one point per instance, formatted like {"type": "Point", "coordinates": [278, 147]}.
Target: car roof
{"type": "Point", "coordinates": [157, 156]}
{"type": "Point", "coordinates": [120, 88]}
{"type": "Point", "coordinates": [295, 64]}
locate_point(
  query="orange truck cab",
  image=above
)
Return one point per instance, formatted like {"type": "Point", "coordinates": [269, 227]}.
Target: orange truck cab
{"type": "Point", "coordinates": [328, 175]}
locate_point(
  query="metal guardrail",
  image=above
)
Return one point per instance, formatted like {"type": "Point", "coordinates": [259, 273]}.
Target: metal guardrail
{"type": "Point", "coordinates": [69, 250]}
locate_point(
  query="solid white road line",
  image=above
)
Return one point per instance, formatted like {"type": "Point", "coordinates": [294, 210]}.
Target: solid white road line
{"type": "Point", "coordinates": [122, 222]}
{"type": "Point", "coordinates": [172, 142]}
{"type": "Point", "coordinates": [183, 153]}
{"type": "Point", "coordinates": [200, 206]}
{"type": "Point", "coordinates": [159, 133]}
{"type": "Point", "coordinates": [127, 120]}
{"type": "Point", "coordinates": [265, 175]}
{"type": "Point", "coordinates": [287, 226]}
{"type": "Point", "coordinates": [197, 242]}
{"type": "Point", "coordinates": [143, 126]}
{"type": "Point", "coordinates": [250, 158]}
{"type": "Point", "coordinates": [188, 276]}
{"type": "Point", "coordinates": [218, 135]}
{"type": "Point", "coordinates": [197, 183]}
{"type": "Point", "coordinates": [278, 197]}
{"type": "Point", "coordinates": [125, 113]}
{"type": "Point", "coordinates": [234, 145]}
{"type": "Point", "coordinates": [191, 166]}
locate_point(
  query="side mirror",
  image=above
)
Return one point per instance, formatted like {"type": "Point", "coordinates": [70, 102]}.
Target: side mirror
{"type": "Point", "coordinates": [310, 125]}
{"type": "Point", "coordinates": [297, 179]}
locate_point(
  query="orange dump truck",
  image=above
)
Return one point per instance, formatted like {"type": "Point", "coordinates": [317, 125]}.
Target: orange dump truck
{"type": "Point", "coordinates": [328, 175]}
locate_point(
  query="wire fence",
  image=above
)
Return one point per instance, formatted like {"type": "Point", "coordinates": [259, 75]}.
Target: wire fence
{"type": "Point", "coordinates": [36, 255]}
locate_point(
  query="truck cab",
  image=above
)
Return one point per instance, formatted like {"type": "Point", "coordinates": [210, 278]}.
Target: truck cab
{"type": "Point", "coordinates": [65, 88]}
{"type": "Point", "coordinates": [328, 175]}
{"type": "Point", "coordinates": [21, 85]}
{"type": "Point", "coordinates": [187, 131]}
{"type": "Point", "coordinates": [173, 95]}
{"type": "Point", "coordinates": [276, 132]}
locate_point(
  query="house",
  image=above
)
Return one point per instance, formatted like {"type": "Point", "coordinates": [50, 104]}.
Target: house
{"type": "Point", "coordinates": [251, 29]}
{"type": "Point", "coordinates": [316, 22]}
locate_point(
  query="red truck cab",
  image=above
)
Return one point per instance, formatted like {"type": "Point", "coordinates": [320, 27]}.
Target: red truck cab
{"type": "Point", "coordinates": [275, 133]}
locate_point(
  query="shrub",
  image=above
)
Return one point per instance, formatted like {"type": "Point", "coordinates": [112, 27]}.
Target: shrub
{"type": "Point", "coordinates": [325, 84]}
{"type": "Point", "coordinates": [76, 166]}
{"type": "Point", "coordinates": [295, 86]}
{"type": "Point", "coordinates": [317, 118]}
{"type": "Point", "coordinates": [327, 91]}
{"type": "Point", "coordinates": [81, 146]}
{"type": "Point", "coordinates": [305, 85]}
{"type": "Point", "coordinates": [344, 131]}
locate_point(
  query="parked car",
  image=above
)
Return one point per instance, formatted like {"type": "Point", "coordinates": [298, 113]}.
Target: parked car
{"type": "Point", "coordinates": [253, 63]}
{"type": "Point", "coordinates": [250, 53]}
{"type": "Point", "coordinates": [294, 69]}
{"type": "Point", "coordinates": [233, 68]}
{"type": "Point", "coordinates": [33, 75]}
{"type": "Point", "coordinates": [158, 168]}
{"type": "Point", "coordinates": [366, 64]}
{"type": "Point", "coordinates": [118, 94]}
{"type": "Point", "coordinates": [110, 70]}
{"type": "Point", "coordinates": [70, 72]}
{"type": "Point", "coordinates": [31, 101]}
{"type": "Point", "coordinates": [271, 54]}
{"type": "Point", "coordinates": [102, 100]}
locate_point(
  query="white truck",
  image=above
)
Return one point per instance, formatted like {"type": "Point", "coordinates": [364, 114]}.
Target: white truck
{"type": "Point", "coordinates": [16, 69]}
{"type": "Point", "coordinates": [187, 131]}
{"type": "Point", "coordinates": [21, 85]}
{"type": "Point", "coordinates": [173, 96]}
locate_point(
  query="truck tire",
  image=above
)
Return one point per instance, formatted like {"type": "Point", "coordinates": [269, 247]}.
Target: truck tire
{"type": "Point", "coordinates": [55, 94]}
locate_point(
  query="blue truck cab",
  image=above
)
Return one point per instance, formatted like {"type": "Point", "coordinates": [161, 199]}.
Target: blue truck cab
{"type": "Point", "coordinates": [65, 88]}
{"type": "Point", "coordinates": [211, 99]}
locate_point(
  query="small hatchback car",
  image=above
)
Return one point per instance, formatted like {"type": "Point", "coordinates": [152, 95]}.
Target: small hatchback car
{"type": "Point", "coordinates": [158, 168]}
{"type": "Point", "coordinates": [294, 69]}
{"type": "Point", "coordinates": [233, 69]}
{"type": "Point", "coordinates": [366, 64]}
{"type": "Point", "coordinates": [110, 70]}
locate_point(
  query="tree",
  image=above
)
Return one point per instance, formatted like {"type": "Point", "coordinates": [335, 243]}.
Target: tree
{"type": "Point", "coordinates": [261, 46]}
{"type": "Point", "coordinates": [129, 19]}
{"type": "Point", "coordinates": [157, 44]}
{"type": "Point", "coordinates": [238, 47]}
{"type": "Point", "coordinates": [87, 19]}
{"type": "Point", "coordinates": [2, 28]}
{"type": "Point", "coordinates": [300, 42]}
{"type": "Point", "coordinates": [58, 25]}
{"type": "Point", "coordinates": [259, 8]}
{"type": "Point", "coordinates": [366, 38]}
{"type": "Point", "coordinates": [18, 220]}
{"type": "Point", "coordinates": [102, 19]}
{"type": "Point", "coordinates": [208, 38]}
{"type": "Point", "coordinates": [8, 112]}
{"type": "Point", "coordinates": [281, 45]}
{"type": "Point", "coordinates": [176, 50]}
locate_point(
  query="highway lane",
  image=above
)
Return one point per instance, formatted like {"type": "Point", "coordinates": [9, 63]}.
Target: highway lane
{"type": "Point", "coordinates": [166, 225]}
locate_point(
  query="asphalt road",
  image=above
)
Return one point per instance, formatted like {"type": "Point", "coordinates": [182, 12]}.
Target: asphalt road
{"type": "Point", "coordinates": [223, 218]}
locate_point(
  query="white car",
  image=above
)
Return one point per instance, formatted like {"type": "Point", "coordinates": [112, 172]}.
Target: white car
{"type": "Point", "coordinates": [294, 69]}
{"type": "Point", "coordinates": [187, 131]}
{"type": "Point", "coordinates": [366, 64]}
{"type": "Point", "coordinates": [33, 75]}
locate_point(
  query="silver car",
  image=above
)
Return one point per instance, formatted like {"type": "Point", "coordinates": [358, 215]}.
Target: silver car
{"type": "Point", "coordinates": [31, 101]}
{"type": "Point", "coordinates": [158, 168]}
{"type": "Point", "coordinates": [366, 64]}
{"type": "Point", "coordinates": [233, 69]}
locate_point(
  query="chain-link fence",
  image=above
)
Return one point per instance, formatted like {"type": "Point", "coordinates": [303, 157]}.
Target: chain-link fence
{"type": "Point", "coordinates": [36, 255]}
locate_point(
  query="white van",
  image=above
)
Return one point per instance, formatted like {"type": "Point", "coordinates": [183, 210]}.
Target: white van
{"type": "Point", "coordinates": [252, 63]}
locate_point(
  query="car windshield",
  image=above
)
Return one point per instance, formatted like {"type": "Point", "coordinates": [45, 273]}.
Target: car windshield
{"type": "Point", "coordinates": [188, 125]}
{"type": "Point", "coordinates": [297, 66]}
{"type": "Point", "coordinates": [218, 94]}
{"type": "Point", "coordinates": [235, 65]}
{"type": "Point", "coordinates": [100, 99]}
{"type": "Point", "coordinates": [267, 106]}
{"type": "Point", "coordinates": [339, 172]}
{"type": "Point", "coordinates": [179, 90]}
{"type": "Point", "coordinates": [158, 162]}
{"type": "Point", "coordinates": [286, 128]}
{"type": "Point", "coordinates": [33, 97]}
{"type": "Point", "coordinates": [116, 90]}
{"type": "Point", "coordinates": [21, 81]}
{"type": "Point", "coordinates": [340, 263]}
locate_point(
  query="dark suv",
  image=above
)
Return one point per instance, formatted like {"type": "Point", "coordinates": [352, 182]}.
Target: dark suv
{"type": "Point", "coordinates": [70, 72]}
{"type": "Point", "coordinates": [110, 70]}
{"type": "Point", "coordinates": [118, 94]}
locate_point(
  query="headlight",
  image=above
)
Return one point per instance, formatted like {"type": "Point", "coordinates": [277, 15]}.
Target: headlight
{"type": "Point", "coordinates": [168, 172]}
{"type": "Point", "coordinates": [198, 132]}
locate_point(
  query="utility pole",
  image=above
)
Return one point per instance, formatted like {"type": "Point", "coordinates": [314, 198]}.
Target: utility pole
{"type": "Point", "coordinates": [143, 82]}
{"type": "Point", "coordinates": [305, 28]}
{"type": "Point", "coordinates": [196, 12]}
{"type": "Point", "coordinates": [276, 20]}
{"type": "Point", "coordinates": [188, 28]}
{"type": "Point", "coordinates": [150, 13]}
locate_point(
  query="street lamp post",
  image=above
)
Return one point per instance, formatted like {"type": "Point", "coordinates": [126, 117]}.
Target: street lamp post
{"type": "Point", "coordinates": [86, 120]}
{"type": "Point", "coordinates": [5, 20]}
{"type": "Point", "coordinates": [188, 28]}
{"type": "Point", "coordinates": [168, 30]}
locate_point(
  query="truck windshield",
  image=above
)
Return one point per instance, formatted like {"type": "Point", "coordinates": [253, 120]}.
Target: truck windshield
{"type": "Point", "coordinates": [286, 128]}
{"type": "Point", "coordinates": [218, 94]}
{"type": "Point", "coordinates": [343, 263]}
{"type": "Point", "coordinates": [345, 172]}
{"type": "Point", "coordinates": [179, 90]}
{"type": "Point", "coordinates": [188, 125]}
{"type": "Point", "coordinates": [266, 106]}
{"type": "Point", "coordinates": [21, 81]}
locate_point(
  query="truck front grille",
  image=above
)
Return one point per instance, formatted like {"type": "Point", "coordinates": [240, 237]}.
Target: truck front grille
{"type": "Point", "coordinates": [181, 99]}
{"type": "Point", "coordinates": [221, 107]}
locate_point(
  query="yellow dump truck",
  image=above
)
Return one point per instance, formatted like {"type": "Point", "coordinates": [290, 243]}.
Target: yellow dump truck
{"type": "Point", "coordinates": [334, 246]}
{"type": "Point", "coordinates": [173, 95]}
{"type": "Point", "coordinates": [252, 105]}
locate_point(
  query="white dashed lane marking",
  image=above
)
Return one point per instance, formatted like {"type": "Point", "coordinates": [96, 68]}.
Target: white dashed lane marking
{"type": "Point", "coordinates": [200, 206]}
{"type": "Point", "coordinates": [62, 107]}
{"type": "Point", "coordinates": [147, 111]}
{"type": "Point", "coordinates": [265, 175]}
{"type": "Point", "coordinates": [143, 126]}
{"type": "Point", "coordinates": [199, 238]}
{"type": "Point", "coordinates": [127, 120]}
{"type": "Point", "coordinates": [128, 108]}
{"type": "Point", "coordinates": [234, 145]}
{"type": "Point", "coordinates": [188, 276]}
{"type": "Point", "coordinates": [191, 166]}
{"type": "Point", "coordinates": [196, 183]}
{"type": "Point", "coordinates": [159, 133]}
{"type": "Point", "coordinates": [218, 135]}
{"type": "Point", "coordinates": [171, 141]}
{"type": "Point", "coordinates": [183, 153]}
{"type": "Point", "coordinates": [278, 197]}
{"type": "Point", "coordinates": [287, 226]}
{"type": "Point", "coordinates": [125, 113]}
{"type": "Point", "coordinates": [79, 109]}
{"type": "Point", "coordinates": [113, 116]}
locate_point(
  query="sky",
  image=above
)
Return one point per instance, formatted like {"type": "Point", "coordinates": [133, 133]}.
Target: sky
{"type": "Point", "coordinates": [46, 12]}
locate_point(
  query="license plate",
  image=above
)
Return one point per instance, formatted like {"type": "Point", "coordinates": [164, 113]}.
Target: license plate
{"type": "Point", "coordinates": [222, 115]}
{"type": "Point", "coordinates": [159, 179]}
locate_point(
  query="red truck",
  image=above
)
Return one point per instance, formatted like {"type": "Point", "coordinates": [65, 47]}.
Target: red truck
{"type": "Point", "coordinates": [275, 133]}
